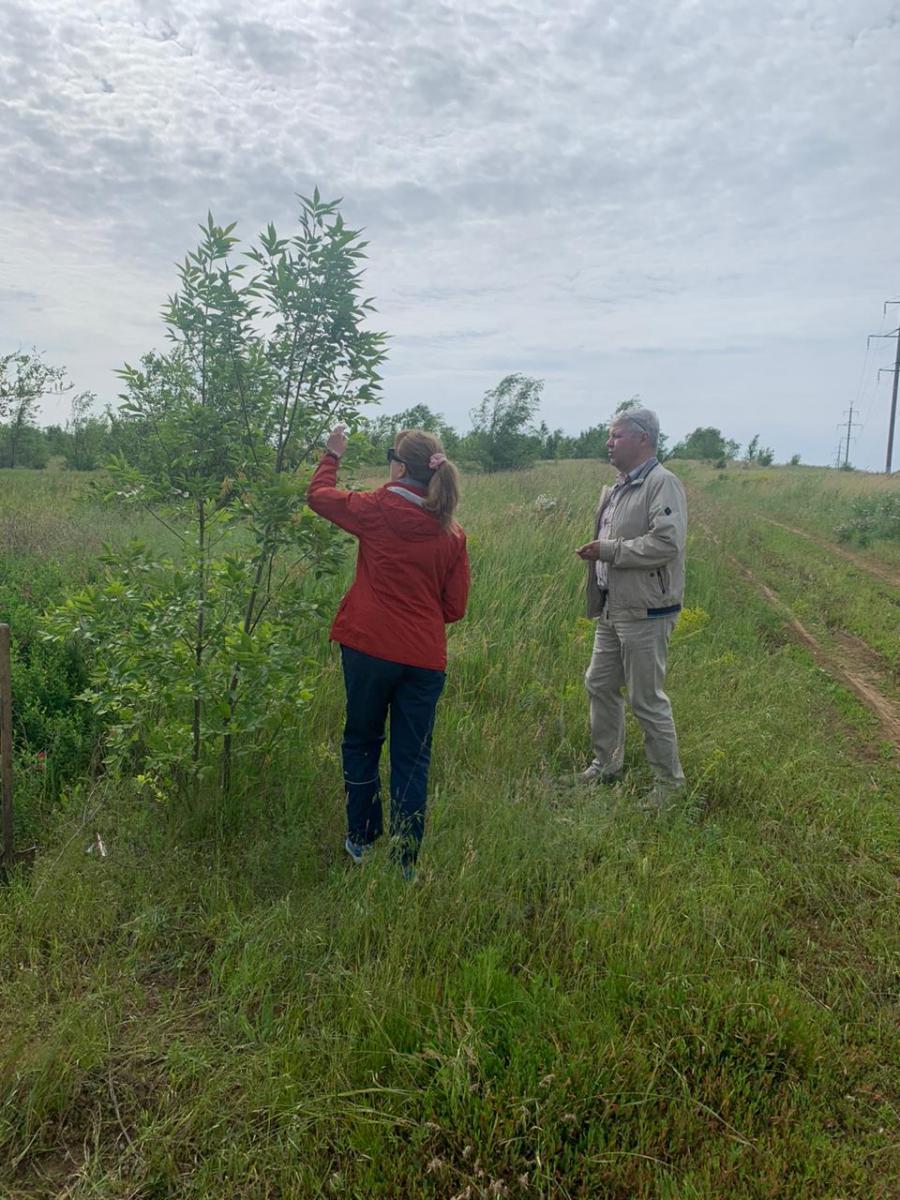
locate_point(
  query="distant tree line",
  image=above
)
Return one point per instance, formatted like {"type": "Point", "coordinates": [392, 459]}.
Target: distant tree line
{"type": "Point", "coordinates": [505, 432]}
{"type": "Point", "coordinates": [83, 443]}
{"type": "Point", "coordinates": [709, 445]}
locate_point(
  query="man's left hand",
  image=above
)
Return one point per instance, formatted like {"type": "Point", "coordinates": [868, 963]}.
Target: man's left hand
{"type": "Point", "coordinates": [590, 551]}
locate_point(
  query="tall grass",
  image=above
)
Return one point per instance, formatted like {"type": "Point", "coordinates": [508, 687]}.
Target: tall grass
{"type": "Point", "coordinates": [575, 1000]}
{"type": "Point", "coordinates": [825, 502]}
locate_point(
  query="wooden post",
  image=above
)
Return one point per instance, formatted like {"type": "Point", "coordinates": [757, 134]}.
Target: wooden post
{"type": "Point", "coordinates": [6, 752]}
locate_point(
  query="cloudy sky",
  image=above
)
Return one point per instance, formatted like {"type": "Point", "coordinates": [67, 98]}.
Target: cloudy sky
{"type": "Point", "coordinates": [693, 201]}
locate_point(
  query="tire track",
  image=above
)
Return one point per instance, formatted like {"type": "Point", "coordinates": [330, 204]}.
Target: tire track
{"type": "Point", "coordinates": [842, 667]}
{"type": "Point", "coordinates": [873, 569]}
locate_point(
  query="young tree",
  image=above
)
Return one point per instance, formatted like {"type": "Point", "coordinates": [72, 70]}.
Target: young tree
{"type": "Point", "coordinates": [382, 430]}
{"type": "Point", "coordinates": [25, 378]}
{"type": "Point", "coordinates": [57, 440]}
{"type": "Point", "coordinates": [763, 455]}
{"type": "Point", "coordinates": [201, 644]}
{"type": "Point", "coordinates": [591, 443]}
{"type": "Point", "coordinates": [23, 444]}
{"type": "Point", "coordinates": [419, 416]}
{"type": "Point", "coordinates": [87, 435]}
{"type": "Point", "coordinates": [704, 443]}
{"type": "Point", "coordinates": [553, 441]}
{"type": "Point", "coordinates": [501, 436]}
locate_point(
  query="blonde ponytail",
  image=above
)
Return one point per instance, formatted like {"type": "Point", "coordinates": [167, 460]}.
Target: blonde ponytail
{"type": "Point", "coordinates": [415, 448]}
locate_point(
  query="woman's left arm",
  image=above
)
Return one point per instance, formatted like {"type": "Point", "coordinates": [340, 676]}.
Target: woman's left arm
{"type": "Point", "coordinates": [456, 587]}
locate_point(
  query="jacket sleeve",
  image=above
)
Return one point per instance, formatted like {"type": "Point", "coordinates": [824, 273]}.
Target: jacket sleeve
{"type": "Point", "coordinates": [345, 509]}
{"type": "Point", "coordinates": [665, 538]}
{"type": "Point", "coordinates": [456, 587]}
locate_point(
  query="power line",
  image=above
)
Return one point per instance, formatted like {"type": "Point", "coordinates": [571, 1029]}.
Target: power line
{"type": "Point", "coordinates": [868, 384]}
{"type": "Point", "coordinates": [851, 425]}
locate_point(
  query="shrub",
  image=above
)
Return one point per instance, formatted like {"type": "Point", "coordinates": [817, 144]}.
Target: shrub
{"type": "Point", "coordinates": [872, 517]}
{"type": "Point", "coordinates": [53, 733]}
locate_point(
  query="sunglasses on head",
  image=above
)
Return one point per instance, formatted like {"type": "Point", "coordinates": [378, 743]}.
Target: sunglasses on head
{"type": "Point", "coordinates": [393, 456]}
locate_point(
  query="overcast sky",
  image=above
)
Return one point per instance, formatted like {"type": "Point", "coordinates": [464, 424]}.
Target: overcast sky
{"type": "Point", "coordinates": [693, 201]}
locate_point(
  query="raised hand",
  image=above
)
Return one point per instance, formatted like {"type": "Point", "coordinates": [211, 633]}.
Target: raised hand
{"type": "Point", "coordinates": [337, 441]}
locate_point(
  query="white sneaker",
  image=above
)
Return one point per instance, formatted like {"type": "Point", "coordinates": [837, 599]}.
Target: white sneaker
{"type": "Point", "coordinates": [358, 851]}
{"type": "Point", "coordinates": [597, 774]}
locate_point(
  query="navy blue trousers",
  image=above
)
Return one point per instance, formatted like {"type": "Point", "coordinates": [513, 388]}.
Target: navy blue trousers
{"type": "Point", "coordinates": [376, 687]}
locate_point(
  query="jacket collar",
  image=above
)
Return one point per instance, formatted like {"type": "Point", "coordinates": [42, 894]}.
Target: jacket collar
{"type": "Point", "coordinates": [639, 473]}
{"type": "Point", "coordinates": [412, 497]}
{"type": "Point", "coordinates": [411, 485]}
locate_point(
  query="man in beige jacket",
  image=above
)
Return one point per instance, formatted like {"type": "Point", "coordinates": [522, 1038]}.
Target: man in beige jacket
{"type": "Point", "coordinates": [635, 584]}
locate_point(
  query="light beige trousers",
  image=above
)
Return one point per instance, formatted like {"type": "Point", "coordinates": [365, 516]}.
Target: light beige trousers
{"type": "Point", "coordinates": [632, 654]}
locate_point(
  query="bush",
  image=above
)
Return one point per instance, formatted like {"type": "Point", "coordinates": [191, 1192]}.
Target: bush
{"type": "Point", "coordinates": [53, 732]}
{"type": "Point", "coordinates": [872, 517]}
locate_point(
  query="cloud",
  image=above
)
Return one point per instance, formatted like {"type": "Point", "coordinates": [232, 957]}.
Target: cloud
{"type": "Point", "coordinates": [562, 186]}
{"type": "Point", "coordinates": [15, 297]}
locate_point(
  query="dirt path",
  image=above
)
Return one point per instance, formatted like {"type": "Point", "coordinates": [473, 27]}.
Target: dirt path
{"type": "Point", "coordinates": [878, 570]}
{"type": "Point", "coordinates": [846, 662]}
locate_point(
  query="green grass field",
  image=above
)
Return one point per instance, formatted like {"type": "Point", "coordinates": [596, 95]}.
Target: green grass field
{"type": "Point", "coordinates": [575, 999]}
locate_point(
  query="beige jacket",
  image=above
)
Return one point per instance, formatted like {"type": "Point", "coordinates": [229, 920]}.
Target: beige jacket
{"type": "Point", "coordinates": [645, 548]}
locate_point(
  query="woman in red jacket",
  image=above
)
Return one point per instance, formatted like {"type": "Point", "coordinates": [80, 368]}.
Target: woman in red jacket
{"type": "Point", "coordinates": [412, 578]}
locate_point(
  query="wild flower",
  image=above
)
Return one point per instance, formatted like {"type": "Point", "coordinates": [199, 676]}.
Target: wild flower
{"type": "Point", "coordinates": [871, 517]}
{"type": "Point", "coordinates": [690, 622]}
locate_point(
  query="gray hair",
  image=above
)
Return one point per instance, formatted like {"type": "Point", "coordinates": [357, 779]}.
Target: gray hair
{"type": "Point", "coordinates": [639, 420]}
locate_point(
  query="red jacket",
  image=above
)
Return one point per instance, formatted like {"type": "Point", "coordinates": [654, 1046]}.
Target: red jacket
{"type": "Point", "coordinates": [412, 576]}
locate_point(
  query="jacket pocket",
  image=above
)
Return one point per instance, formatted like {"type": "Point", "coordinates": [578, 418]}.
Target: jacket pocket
{"type": "Point", "coordinates": [663, 576]}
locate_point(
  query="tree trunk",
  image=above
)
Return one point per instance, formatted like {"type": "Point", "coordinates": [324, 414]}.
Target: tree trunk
{"type": "Point", "coordinates": [249, 614]}
{"type": "Point", "coordinates": [201, 624]}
